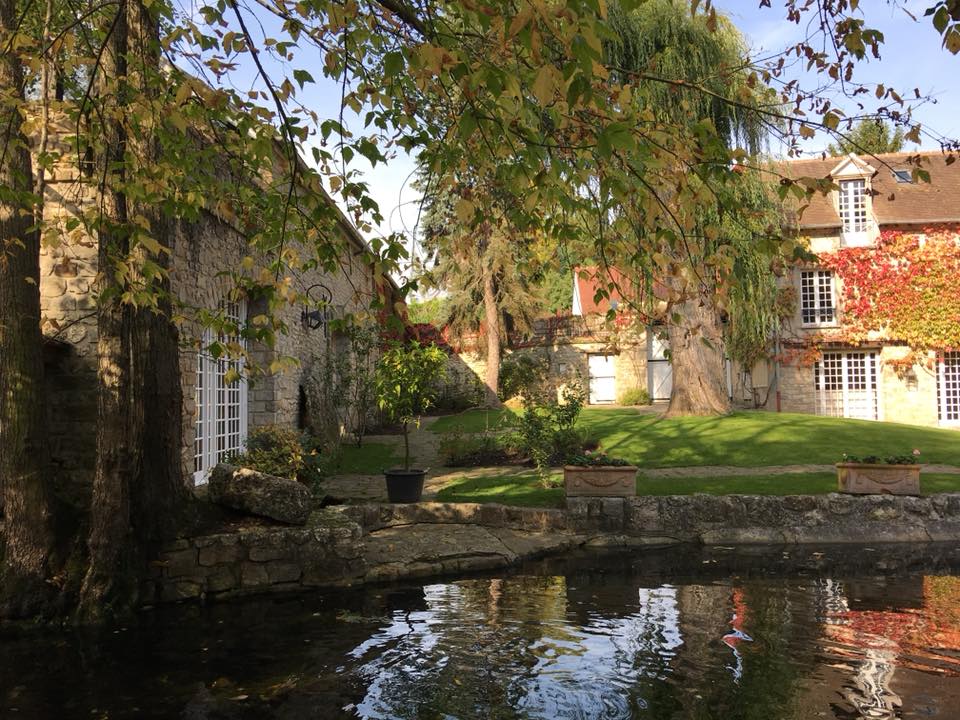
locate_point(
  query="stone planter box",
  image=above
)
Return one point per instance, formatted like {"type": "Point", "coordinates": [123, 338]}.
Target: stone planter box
{"type": "Point", "coordinates": [600, 481]}
{"type": "Point", "coordinates": [861, 479]}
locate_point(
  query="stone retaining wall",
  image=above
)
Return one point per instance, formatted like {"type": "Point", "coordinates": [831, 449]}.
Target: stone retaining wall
{"type": "Point", "coordinates": [327, 551]}
{"type": "Point", "coordinates": [363, 543]}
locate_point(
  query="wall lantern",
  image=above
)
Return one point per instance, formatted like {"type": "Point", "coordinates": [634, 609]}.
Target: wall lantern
{"type": "Point", "coordinates": [320, 297]}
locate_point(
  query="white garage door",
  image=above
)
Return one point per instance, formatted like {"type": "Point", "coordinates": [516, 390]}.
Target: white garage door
{"type": "Point", "coordinates": [602, 380]}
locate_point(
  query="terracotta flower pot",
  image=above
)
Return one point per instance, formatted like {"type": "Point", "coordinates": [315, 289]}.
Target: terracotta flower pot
{"type": "Point", "coordinates": [600, 480]}
{"type": "Point", "coordinates": [868, 479]}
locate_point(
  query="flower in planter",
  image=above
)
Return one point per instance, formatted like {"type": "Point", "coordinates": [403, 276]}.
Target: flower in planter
{"type": "Point", "coordinates": [912, 459]}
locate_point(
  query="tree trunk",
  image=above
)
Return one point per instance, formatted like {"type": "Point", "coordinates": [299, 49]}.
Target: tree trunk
{"type": "Point", "coordinates": [696, 357]}
{"type": "Point", "coordinates": [138, 484]}
{"type": "Point", "coordinates": [26, 490]}
{"type": "Point", "coordinates": [107, 582]}
{"type": "Point", "coordinates": [492, 319]}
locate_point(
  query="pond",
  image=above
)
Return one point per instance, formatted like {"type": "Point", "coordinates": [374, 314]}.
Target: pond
{"type": "Point", "coordinates": [791, 633]}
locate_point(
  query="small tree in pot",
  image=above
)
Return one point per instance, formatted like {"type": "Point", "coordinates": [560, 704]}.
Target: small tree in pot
{"type": "Point", "coordinates": [407, 380]}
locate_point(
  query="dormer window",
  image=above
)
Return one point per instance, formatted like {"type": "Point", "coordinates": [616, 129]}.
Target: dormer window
{"type": "Point", "coordinates": [853, 205]}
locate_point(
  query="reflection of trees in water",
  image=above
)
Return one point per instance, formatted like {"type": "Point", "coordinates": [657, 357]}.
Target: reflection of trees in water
{"type": "Point", "coordinates": [508, 649]}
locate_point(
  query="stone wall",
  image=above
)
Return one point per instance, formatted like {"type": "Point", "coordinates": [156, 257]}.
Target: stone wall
{"type": "Point", "coordinates": [567, 354]}
{"type": "Point", "coordinates": [327, 551]}
{"type": "Point", "coordinates": [202, 252]}
{"type": "Point", "coordinates": [371, 543]}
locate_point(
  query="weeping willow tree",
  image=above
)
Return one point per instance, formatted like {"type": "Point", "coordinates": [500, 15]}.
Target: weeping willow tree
{"type": "Point", "coordinates": [694, 70]}
{"type": "Point", "coordinates": [479, 266]}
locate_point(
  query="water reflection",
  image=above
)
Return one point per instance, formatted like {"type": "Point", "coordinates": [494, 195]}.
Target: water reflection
{"type": "Point", "coordinates": [716, 636]}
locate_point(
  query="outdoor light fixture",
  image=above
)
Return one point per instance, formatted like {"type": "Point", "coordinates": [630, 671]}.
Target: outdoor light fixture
{"type": "Point", "coordinates": [320, 296]}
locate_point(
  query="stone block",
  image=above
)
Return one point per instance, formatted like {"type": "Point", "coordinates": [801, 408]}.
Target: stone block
{"type": "Point", "coordinates": [180, 562]}
{"type": "Point", "coordinates": [260, 553]}
{"type": "Point", "coordinates": [220, 554]}
{"type": "Point", "coordinates": [222, 578]}
{"type": "Point", "coordinates": [259, 494]}
{"type": "Point", "coordinates": [279, 571]}
{"type": "Point", "coordinates": [180, 590]}
{"type": "Point", "coordinates": [253, 575]}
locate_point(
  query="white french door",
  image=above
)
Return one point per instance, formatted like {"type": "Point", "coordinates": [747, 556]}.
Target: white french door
{"type": "Point", "coordinates": [948, 388]}
{"type": "Point", "coordinates": [846, 385]}
{"type": "Point", "coordinates": [221, 420]}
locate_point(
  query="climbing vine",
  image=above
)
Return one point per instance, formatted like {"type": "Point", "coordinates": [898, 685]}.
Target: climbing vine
{"type": "Point", "coordinates": [905, 288]}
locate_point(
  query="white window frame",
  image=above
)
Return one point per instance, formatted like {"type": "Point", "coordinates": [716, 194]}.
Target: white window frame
{"type": "Point", "coordinates": [845, 399]}
{"type": "Point", "coordinates": [948, 388]}
{"type": "Point", "coordinates": [221, 422]}
{"type": "Point", "coordinates": [854, 210]}
{"type": "Point", "coordinates": [814, 285]}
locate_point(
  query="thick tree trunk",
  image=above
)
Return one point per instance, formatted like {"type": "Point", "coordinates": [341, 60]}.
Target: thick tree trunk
{"type": "Point", "coordinates": [107, 584]}
{"type": "Point", "coordinates": [138, 485]}
{"type": "Point", "coordinates": [696, 357]}
{"type": "Point", "coordinates": [491, 315]}
{"type": "Point", "coordinates": [24, 590]}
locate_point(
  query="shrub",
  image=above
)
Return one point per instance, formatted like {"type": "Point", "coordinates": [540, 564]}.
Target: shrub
{"type": "Point", "coordinates": [283, 452]}
{"type": "Point", "coordinates": [523, 376]}
{"type": "Point", "coordinates": [596, 459]}
{"type": "Point", "coordinates": [406, 383]}
{"type": "Point", "coordinates": [635, 396]}
{"type": "Point", "coordinates": [547, 430]}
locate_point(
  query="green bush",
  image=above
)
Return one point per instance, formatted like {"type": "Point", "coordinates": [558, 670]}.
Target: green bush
{"type": "Point", "coordinates": [546, 428]}
{"type": "Point", "coordinates": [460, 450]}
{"type": "Point", "coordinates": [523, 376]}
{"type": "Point", "coordinates": [283, 452]}
{"type": "Point", "coordinates": [635, 396]}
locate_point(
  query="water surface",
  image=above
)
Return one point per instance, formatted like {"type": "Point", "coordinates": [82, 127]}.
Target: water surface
{"type": "Point", "coordinates": [791, 634]}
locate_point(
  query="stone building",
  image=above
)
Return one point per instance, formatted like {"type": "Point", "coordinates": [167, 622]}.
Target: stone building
{"type": "Point", "coordinates": [611, 356]}
{"type": "Point", "coordinates": [820, 366]}
{"type": "Point", "coordinates": [217, 415]}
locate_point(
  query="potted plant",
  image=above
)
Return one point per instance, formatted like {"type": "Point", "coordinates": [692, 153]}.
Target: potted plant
{"type": "Point", "coordinates": [871, 474]}
{"type": "Point", "coordinates": [598, 474]}
{"type": "Point", "coordinates": [407, 383]}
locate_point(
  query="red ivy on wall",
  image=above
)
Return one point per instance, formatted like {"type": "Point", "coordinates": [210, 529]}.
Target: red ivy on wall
{"type": "Point", "coordinates": [905, 287]}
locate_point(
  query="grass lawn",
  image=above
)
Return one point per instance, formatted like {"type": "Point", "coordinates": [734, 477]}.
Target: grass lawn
{"type": "Point", "coordinates": [525, 489]}
{"type": "Point", "coordinates": [370, 459]}
{"type": "Point", "coordinates": [521, 489]}
{"type": "Point", "coordinates": [475, 421]}
{"type": "Point", "coordinates": [755, 439]}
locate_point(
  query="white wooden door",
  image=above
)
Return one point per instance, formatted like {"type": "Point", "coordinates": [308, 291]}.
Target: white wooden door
{"type": "Point", "coordinates": [602, 379]}
{"type": "Point", "coordinates": [659, 370]}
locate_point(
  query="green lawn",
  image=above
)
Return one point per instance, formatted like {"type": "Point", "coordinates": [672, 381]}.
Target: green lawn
{"type": "Point", "coordinates": [755, 439]}
{"type": "Point", "coordinates": [525, 489]}
{"type": "Point", "coordinates": [521, 489]}
{"type": "Point", "coordinates": [475, 421]}
{"type": "Point", "coordinates": [369, 459]}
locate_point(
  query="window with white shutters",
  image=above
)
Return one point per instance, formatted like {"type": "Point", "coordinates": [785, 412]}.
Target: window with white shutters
{"type": "Point", "coordinates": [948, 388]}
{"type": "Point", "coordinates": [846, 383]}
{"type": "Point", "coordinates": [220, 427]}
{"type": "Point", "coordinates": [817, 297]}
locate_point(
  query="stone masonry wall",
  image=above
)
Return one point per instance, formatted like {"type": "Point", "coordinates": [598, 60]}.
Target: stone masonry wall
{"type": "Point", "coordinates": [202, 251]}
{"type": "Point", "coordinates": [328, 551]}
